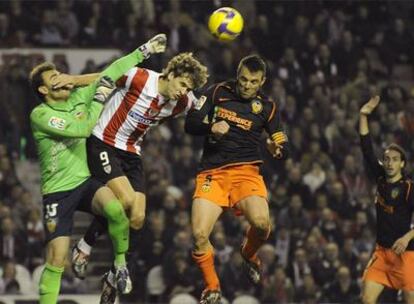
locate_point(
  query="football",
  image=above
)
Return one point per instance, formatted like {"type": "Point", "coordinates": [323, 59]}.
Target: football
{"type": "Point", "coordinates": [225, 23]}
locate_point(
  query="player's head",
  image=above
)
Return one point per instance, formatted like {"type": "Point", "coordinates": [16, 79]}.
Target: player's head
{"type": "Point", "coordinates": [394, 160]}
{"type": "Point", "coordinates": [251, 75]}
{"type": "Point", "coordinates": [183, 74]}
{"type": "Point", "coordinates": [41, 79]}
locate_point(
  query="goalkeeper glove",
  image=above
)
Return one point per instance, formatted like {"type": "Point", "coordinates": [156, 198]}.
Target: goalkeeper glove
{"type": "Point", "coordinates": [104, 89]}
{"type": "Point", "coordinates": [156, 44]}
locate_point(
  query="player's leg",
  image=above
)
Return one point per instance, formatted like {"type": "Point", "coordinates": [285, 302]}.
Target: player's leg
{"type": "Point", "coordinates": [58, 211]}
{"type": "Point", "coordinates": [133, 202]}
{"type": "Point", "coordinates": [256, 210]}
{"type": "Point", "coordinates": [105, 164]}
{"type": "Point", "coordinates": [248, 194]}
{"type": "Point", "coordinates": [409, 296]}
{"type": "Point", "coordinates": [135, 185]}
{"type": "Point", "coordinates": [105, 203]}
{"type": "Point", "coordinates": [49, 284]}
{"type": "Point", "coordinates": [204, 215]}
{"type": "Point", "coordinates": [371, 291]}
{"type": "Point", "coordinates": [377, 276]}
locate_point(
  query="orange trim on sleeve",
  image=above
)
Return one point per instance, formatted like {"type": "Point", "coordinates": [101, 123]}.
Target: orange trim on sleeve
{"type": "Point", "coordinates": [408, 191]}
{"type": "Point", "coordinates": [273, 112]}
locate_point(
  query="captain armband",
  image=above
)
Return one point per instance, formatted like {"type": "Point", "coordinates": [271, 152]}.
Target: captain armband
{"type": "Point", "coordinates": [279, 138]}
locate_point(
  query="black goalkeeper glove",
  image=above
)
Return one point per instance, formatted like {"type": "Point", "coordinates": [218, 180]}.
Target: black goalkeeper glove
{"type": "Point", "coordinates": [104, 89]}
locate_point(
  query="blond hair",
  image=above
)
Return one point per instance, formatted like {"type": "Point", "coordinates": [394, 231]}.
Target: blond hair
{"type": "Point", "coordinates": [185, 63]}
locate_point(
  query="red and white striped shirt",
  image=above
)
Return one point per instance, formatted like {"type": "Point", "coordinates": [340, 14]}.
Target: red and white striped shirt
{"type": "Point", "coordinates": [135, 108]}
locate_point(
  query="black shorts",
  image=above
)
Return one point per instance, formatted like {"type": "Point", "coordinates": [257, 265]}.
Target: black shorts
{"type": "Point", "coordinates": [106, 162]}
{"type": "Point", "coordinates": [59, 208]}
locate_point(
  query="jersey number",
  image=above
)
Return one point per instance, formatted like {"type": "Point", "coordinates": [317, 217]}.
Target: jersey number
{"type": "Point", "coordinates": [51, 210]}
{"type": "Point", "coordinates": [104, 158]}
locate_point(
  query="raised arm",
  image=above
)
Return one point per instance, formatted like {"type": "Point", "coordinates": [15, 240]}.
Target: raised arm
{"type": "Point", "coordinates": [61, 124]}
{"type": "Point", "coordinates": [366, 143]}
{"type": "Point", "coordinates": [157, 44]}
{"type": "Point", "coordinates": [73, 81]}
{"type": "Point", "coordinates": [115, 70]}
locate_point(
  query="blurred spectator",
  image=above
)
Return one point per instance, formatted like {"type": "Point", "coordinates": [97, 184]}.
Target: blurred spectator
{"type": "Point", "coordinates": [325, 270]}
{"type": "Point", "coordinates": [12, 242]}
{"type": "Point", "coordinates": [299, 268]}
{"type": "Point", "coordinates": [234, 283]}
{"type": "Point", "coordinates": [8, 281]}
{"type": "Point", "coordinates": [343, 289]}
{"type": "Point", "coordinates": [279, 288]}
{"type": "Point", "coordinates": [309, 293]}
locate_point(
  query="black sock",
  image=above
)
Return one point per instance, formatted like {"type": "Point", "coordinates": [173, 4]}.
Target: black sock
{"type": "Point", "coordinates": [98, 227]}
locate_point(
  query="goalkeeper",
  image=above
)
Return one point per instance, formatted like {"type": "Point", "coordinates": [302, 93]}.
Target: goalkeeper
{"type": "Point", "coordinates": [60, 125]}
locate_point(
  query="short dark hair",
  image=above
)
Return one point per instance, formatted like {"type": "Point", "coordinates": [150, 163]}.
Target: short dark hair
{"type": "Point", "coordinates": [253, 63]}
{"type": "Point", "coordinates": [36, 79]}
{"type": "Point", "coordinates": [399, 149]}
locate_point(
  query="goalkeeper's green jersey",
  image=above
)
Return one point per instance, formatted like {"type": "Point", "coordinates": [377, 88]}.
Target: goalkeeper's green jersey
{"type": "Point", "coordinates": [60, 130]}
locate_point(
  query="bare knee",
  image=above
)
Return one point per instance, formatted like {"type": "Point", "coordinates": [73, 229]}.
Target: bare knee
{"type": "Point", "coordinates": [127, 199]}
{"type": "Point", "coordinates": [262, 225]}
{"type": "Point", "coordinates": [137, 220]}
{"type": "Point", "coordinates": [409, 297]}
{"type": "Point", "coordinates": [368, 299]}
{"type": "Point", "coordinates": [201, 239]}
{"type": "Point", "coordinates": [56, 260]}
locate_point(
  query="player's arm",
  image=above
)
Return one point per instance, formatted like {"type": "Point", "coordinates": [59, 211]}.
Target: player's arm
{"type": "Point", "coordinates": [157, 44]}
{"type": "Point", "coordinates": [197, 121]}
{"type": "Point", "coordinates": [73, 81]}
{"type": "Point", "coordinates": [62, 124]}
{"type": "Point", "coordinates": [277, 143]}
{"type": "Point", "coordinates": [115, 70]}
{"type": "Point", "coordinates": [366, 142]}
{"type": "Point", "coordinates": [401, 244]}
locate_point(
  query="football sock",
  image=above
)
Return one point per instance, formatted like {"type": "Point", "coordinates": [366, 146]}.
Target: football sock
{"type": "Point", "coordinates": [98, 227]}
{"type": "Point", "coordinates": [253, 242]}
{"type": "Point", "coordinates": [118, 228]}
{"type": "Point", "coordinates": [205, 262]}
{"type": "Point", "coordinates": [49, 284]}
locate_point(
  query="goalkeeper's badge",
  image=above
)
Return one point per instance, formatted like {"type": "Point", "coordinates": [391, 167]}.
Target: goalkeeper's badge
{"type": "Point", "coordinates": [51, 224]}
{"type": "Point", "coordinates": [257, 106]}
{"type": "Point", "coordinates": [107, 169]}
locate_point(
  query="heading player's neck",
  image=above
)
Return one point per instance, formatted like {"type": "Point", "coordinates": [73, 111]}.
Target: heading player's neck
{"type": "Point", "coordinates": [162, 86]}
{"type": "Point", "coordinates": [395, 178]}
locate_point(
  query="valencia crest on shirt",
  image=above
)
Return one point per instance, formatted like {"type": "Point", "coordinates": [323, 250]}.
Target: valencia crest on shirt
{"type": "Point", "coordinates": [257, 106]}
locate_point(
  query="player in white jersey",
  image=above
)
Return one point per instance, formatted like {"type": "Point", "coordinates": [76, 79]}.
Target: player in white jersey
{"type": "Point", "coordinates": [142, 100]}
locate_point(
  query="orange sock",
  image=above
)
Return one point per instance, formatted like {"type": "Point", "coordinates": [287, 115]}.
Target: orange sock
{"type": "Point", "coordinates": [253, 243]}
{"type": "Point", "coordinates": [205, 262]}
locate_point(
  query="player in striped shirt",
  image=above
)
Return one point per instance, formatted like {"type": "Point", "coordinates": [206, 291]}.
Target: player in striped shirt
{"type": "Point", "coordinates": [60, 124]}
{"type": "Point", "coordinates": [144, 99]}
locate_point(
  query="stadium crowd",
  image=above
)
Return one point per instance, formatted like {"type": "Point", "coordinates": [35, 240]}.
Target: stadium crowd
{"type": "Point", "coordinates": [325, 59]}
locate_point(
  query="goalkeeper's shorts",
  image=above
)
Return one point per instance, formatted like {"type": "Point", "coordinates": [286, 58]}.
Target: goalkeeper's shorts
{"type": "Point", "coordinates": [59, 208]}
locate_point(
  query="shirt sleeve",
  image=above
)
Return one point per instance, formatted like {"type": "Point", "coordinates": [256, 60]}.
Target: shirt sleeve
{"type": "Point", "coordinates": [275, 129]}
{"type": "Point", "coordinates": [63, 124]}
{"type": "Point", "coordinates": [115, 71]}
{"type": "Point", "coordinates": [371, 160]}
{"type": "Point", "coordinates": [198, 121]}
